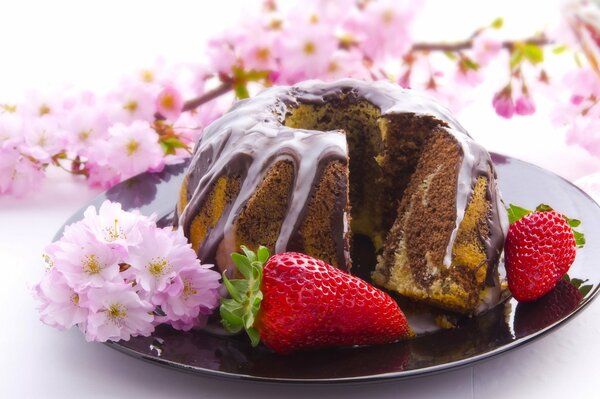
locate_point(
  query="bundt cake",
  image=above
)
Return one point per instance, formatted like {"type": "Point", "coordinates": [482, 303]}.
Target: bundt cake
{"type": "Point", "coordinates": [343, 169]}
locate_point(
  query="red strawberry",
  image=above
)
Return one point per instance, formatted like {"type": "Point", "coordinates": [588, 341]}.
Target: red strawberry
{"type": "Point", "coordinates": [533, 316]}
{"type": "Point", "coordinates": [539, 250]}
{"type": "Point", "coordinates": [296, 302]}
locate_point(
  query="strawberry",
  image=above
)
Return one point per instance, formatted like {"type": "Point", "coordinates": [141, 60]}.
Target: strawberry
{"type": "Point", "coordinates": [539, 250]}
{"type": "Point", "coordinates": [293, 302]}
{"type": "Point", "coordinates": [533, 316]}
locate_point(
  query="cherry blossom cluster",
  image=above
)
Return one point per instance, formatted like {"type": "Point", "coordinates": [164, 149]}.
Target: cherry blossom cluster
{"type": "Point", "coordinates": [106, 138]}
{"type": "Point", "coordinates": [115, 275]}
{"type": "Point", "coordinates": [155, 117]}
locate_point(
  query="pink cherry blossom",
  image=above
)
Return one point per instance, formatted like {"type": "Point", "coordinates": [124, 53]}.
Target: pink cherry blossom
{"type": "Point", "coordinates": [222, 52]}
{"type": "Point", "coordinates": [44, 138]}
{"type": "Point", "coordinates": [85, 124]}
{"type": "Point", "coordinates": [383, 27]}
{"type": "Point", "coordinates": [133, 102]}
{"type": "Point", "coordinates": [485, 47]}
{"type": "Point", "coordinates": [503, 104]}
{"type": "Point", "coordinates": [101, 173]}
{"type": "Point", "coordinates": [156, 261]}
{"type": "Point", "coordinates": [117, 313]}
{"type": "Point", "coordinates": [19, 175]}
{"type": "Point", "coordinates": [85, 261]}
{"type": "Point", "coordinates": [112, 225]}
{"type": "Point", "coordinates": [169, 102]}
{"type": "Point", "coordinates": [305, 52]}
{"type": "Point", "coordinates": [468, 77]}
{"type": "Point", "coordinates": [59, 306]}
{"type": "Point", "coordinates": [194, 291]}
{"type": "Point", "coordinates": [11, 127]}
{"type": "Point", "coordinates": [133, 149]}
{"type": "Point", "coordinates": [524, 105]}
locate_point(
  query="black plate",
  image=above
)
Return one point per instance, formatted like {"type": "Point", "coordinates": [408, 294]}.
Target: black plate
{"type": "Point", "coordinates": [506, 327]}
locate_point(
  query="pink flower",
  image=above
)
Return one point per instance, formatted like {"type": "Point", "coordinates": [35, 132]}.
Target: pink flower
{"type": "Point", "coordinates": [134, 101]}
{"type": "Point", "coordinates": [156, 261]}
{"type": "Point", "coordinates": [85, 261]}
{"type": "Point", "coordinates": [114, 226]}
{"type": "Point", "coordinates": [102, 175]}
{"type": "Point", "coordinates": [43, 138]}
{"type": "Point", "coordinates": [485, 48]}
{"type": "Point", "coordinates": [117, 313]}
{"type": "Point", "coordinates": [524, 105]}
{"type": "Point", "coordinates": [347, 63]}
{"type": "Point", "coordinates": [305, 52]}
{"type": "Point", "coordinates": [194, 292]}
{"type": "Point", "coordinates": [222, 52]}
{"type": "Point", "coordinates": [60, 306]}
{"type": "Point", "coordinates": [85, 125]}
{"type": "Point", "coordinates": [383, 28]}
{"type": "Point", "coordinates": [503, 104]}
{"type": "Point", "coordinates": [19, 175]}
{"type": "Point", "coordinates": [133, 149]}
{"type": "Point", "coordinates": [169, 103]}
{"type": "Point", "coordinates": [11, 127]}
{"type": "Point", "coordinates": [468, 77]}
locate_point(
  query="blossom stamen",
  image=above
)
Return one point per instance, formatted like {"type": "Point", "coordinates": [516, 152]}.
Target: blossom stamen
{"type": "Point", "coordinates": [158, 267]}
{"type": "Point", "coordinates": [116, 314]}
{"type": "Point", "coordinates": [91, 265]}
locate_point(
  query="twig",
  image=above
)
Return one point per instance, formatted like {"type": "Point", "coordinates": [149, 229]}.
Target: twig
{"type": "Point", "coordinates": [467, 44]}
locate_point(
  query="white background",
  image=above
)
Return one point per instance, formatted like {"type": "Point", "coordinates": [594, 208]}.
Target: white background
{"type": "Point", "coordinates": [50, 45]}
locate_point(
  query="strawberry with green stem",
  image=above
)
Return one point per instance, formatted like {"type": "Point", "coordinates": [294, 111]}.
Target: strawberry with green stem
{"type": "Point", "coordinates": [540, 248]}
{"type": "Point", "coordinates": [293, 302]}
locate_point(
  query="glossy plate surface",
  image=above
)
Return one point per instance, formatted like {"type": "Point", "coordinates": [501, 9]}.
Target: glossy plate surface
{"type": "Point", "coordinates": [504, 328]}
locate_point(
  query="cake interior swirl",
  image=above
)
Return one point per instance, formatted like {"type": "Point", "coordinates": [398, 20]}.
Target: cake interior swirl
{"type": "Point", "coordinates": [357, 174]}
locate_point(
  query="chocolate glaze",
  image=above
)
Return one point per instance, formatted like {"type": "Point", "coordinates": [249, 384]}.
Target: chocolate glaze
{"type": "Point", "coordinates": [251, 137]}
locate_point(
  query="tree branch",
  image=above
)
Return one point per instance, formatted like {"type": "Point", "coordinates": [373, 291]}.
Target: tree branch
{"type": "Point", "coordinates": [208, 96]}
{"type": "Point", "coordinates": [467, 44]}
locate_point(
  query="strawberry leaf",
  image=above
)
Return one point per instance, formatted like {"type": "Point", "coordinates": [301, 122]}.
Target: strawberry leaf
{"type": "Point", "coordinates": [543, 208]}
{"type": "Point", "coordinates": [579, 239]}
{"type": "Point", "coordinates": [585, 290]}
{"type": "Point", "coordinates": [239, 312]}
{"type": "Point", "coordinates": [515, 213]}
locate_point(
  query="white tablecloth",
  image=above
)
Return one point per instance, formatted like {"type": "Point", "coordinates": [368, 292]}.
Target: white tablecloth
{"type": "Point", "coordinates": [46, 42]}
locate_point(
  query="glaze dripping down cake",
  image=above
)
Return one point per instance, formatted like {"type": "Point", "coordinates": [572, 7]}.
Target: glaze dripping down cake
{"type": "Point", "coordinates": [338, 169]}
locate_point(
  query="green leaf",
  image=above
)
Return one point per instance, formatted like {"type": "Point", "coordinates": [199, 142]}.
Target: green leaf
{"type": "Point", "coordinates": [585, 290]}
{"type": "Point", "coordinates": [170, 144]}
{"type": "Point", "coordinates": [240, 311]}
{"type": "Point", "coordinates": [497, 23]}
{"type": "Point", "coordinates": [572, 222]}
{"type": "Point", "coordinates": [469, 64]}
{"type": "Point", "coordinates": [515, 213]}
{"type": "Point", "coordinates": [516, 58]}
{"type": "Point", "coordinates": [560, 49]}
{"type": "Point", "coordinates": [577, 282]}
{"type": "Point", "coordinates": [241, 91]}
{"type": "Point", "coordinates": [242, 263]}
{"type": "Point", "coordinates": [254, 336]}
{"type": "Point", "coordinates": [249, 253]}
{"type": "Point", "coordinates": [263, 254]}
{"type": "Point", "coordinates": [543, 208]}
{"type": "Point", "coordinates": [231, 288]}
{"type": "Point", "coordinates": [579, 239]}
{"type": "Point", "coordinates": [450, 55]}
{"type": "Point", "coordinates": [533, 53]}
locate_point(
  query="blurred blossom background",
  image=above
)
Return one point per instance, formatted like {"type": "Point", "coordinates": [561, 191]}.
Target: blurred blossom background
{"type": "Point", "coordinates": [104, 91]}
